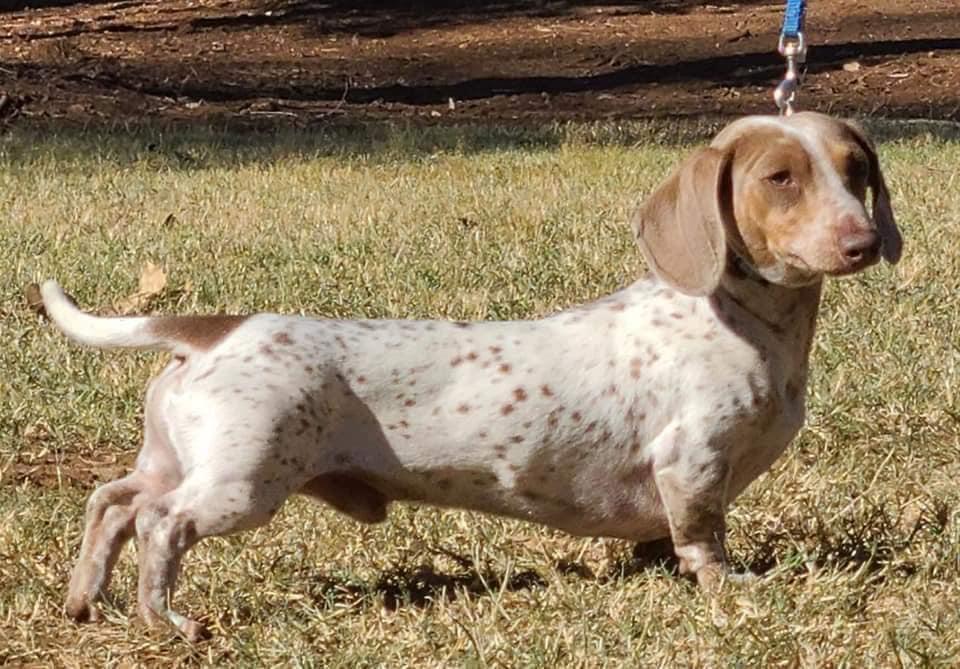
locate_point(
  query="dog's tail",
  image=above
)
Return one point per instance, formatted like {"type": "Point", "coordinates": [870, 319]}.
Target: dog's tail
{"type": "Point", "coordinates": [100, 331]}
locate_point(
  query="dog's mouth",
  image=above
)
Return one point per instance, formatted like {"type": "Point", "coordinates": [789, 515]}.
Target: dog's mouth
{"type": "Point", "coordinates": [852, 267]}
{"type": "Point", "coordinates": [791, 271]}
{"type": "Point", "coordinates": [802, 272]}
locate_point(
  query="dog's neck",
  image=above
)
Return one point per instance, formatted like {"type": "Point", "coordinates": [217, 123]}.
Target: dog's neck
{"type": "Point", "coordinates": [745, 299]}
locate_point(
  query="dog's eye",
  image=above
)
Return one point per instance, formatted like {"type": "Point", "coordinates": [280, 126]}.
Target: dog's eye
{"type": "Point", "coordinates": [781, 179]}
{"type": "Point", "coordinates": [857, 169]}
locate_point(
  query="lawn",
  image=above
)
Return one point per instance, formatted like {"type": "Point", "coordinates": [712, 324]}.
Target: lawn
{"type": "Point", "coordinates": [856, 529]}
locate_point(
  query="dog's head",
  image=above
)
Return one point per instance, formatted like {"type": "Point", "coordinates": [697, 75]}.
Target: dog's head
{"type": "Point", "coordinates": [785, 196]}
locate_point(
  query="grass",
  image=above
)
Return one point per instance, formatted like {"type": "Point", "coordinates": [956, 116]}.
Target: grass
{"type": "Point", "coordinates": [857, 527]}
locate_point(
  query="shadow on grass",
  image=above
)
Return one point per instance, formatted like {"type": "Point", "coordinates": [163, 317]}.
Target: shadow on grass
{"type": "Point", "coordinates": [205, 147]}
{"type": "Point", "coordinates": [421, 586]}
{"type": "Point", "coordinates": [872, 542]}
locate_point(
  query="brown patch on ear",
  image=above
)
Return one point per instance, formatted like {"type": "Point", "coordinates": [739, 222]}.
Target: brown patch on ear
{"type": "Point", "coordinates": [890, 238]}
{"type": "Point", "coordinates": [199, 332]}
{"type": "Point", "coordinates": [680, 226]}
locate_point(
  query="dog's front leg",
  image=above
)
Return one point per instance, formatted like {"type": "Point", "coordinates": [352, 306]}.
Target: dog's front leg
{"type": "Point", "coordinates": [694, 496]}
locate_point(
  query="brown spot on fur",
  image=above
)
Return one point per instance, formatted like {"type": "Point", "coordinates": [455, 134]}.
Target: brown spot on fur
{"type": "Point", "coordinates": [409, 403]}
{"type": "Point", "coordinates": [461, 324]}
{"type": "Point", "coordinates": [576, 417]}
{"type": "Point", "coordinates": [282, 338]}
{"type": "Point", "coordinates": [463, 408]}
{"type": "Point", "coordinates": [472, 355]}
{"type": "Point", "coordinates": [456, 361]}
{"type": "Point", "coordinates": [361, 379]}
{"type": "Point", "coordinates": [199, 332]}
{"type": "Point", "coordinates": [506, 409]}
{"type": "Point", "coordinates": [618, 306]}
{"type": "Point", "coordinates": [519, 394]}
{"type": "Point", "coordinates": [505, 368]}
{"type": "Point", "coordinates": [546, 391]}
{"type": "Point", "coordinates": [638, 474]}
{"type": "Point", "coordinates": [517, 438]}
{"type": "Point", "coordinates": [496, 350]}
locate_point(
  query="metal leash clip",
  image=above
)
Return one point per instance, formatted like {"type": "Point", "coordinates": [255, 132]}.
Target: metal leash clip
{"type": "Point", "coordinates": [794, 49]}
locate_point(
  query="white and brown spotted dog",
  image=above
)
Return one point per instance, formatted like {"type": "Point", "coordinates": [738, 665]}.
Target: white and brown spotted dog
{"type": "Point", "coordinates": [641, 415]}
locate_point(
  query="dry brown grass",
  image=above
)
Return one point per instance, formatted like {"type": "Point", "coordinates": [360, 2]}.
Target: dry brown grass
{"type": "Point", "coordinates": [856, 528]}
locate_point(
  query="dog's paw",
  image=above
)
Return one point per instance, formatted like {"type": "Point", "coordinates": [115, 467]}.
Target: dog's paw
{"type": "Point", "coordinates": [742, 578]}
{"type": "Point", "coordinates": [713, 577]}
{"type": "Point", "coordinates": [193, 631]}
{"type": "Point", "coordinates": [81, 610]}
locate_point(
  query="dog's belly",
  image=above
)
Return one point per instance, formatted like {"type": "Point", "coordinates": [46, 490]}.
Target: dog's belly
{"type": "Point", "coordinates": [598, 495]}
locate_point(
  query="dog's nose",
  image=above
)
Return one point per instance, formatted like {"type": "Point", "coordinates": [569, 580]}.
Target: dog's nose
{"type": "Point", "coordinates": [861, 246]}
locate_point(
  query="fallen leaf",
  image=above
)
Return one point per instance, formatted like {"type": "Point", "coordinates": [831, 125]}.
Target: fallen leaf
{"type": "Point", "coordinates": [36, 432]}
{"type": "Point", "coordinates": [34, 301]}
{"type": "Point", "coordinates": [153, 281]}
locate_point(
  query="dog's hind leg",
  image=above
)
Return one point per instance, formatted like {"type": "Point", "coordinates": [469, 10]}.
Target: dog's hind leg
{"type": "Point", "coordinates": [109, 524]}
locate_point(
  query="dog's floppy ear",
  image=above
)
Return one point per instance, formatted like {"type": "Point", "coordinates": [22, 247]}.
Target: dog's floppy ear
{"type": "Point", "coordinates": [890, 239]}
{"type": "Point", "coordinates": [680, 226]}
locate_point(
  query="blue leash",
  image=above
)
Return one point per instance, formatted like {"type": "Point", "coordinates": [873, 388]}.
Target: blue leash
{"type": "Point", "coordinates": [793, 19]}
{"type": "Point", "coordinates": [793, 47]}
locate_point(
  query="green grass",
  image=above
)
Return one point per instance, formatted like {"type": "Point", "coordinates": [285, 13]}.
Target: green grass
{"type": "Point", "coordinates": [857, 526]}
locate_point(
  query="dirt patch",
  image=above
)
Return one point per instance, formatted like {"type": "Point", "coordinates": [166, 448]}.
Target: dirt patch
{"type": "Point", "coordinates": [300, 61]}
{"type": "Point", "coordinates": [57, 470]}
